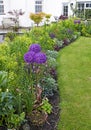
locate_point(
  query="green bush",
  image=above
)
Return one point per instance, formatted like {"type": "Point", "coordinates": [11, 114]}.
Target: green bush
{"type": "Point", "coordinates": [87, 13]}
{"type": "Point", "coordinates": [41, 36]}
{"type": "Point", "coordinates": [49, 86]}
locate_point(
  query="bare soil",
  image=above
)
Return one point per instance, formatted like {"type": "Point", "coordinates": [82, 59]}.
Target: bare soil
{"type": "Point", "coordinates": [53, 118]}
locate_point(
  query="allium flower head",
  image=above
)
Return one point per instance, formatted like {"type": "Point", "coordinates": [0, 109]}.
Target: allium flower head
{"type": "Point", "coordinates": [52, 35]}
{"type": "Point", "coordinates": [77, 21]}
{"type": "Point", "coordinates": [40, 58]}
{"type": "Point", "coordinates": [35, 47]}
{"type": "Point", "coordinates": [29, 57]}
{"type": "Point", "coordinates": [69, 31]}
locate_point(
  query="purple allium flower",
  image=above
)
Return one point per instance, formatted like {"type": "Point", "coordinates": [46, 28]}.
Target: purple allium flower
{"type": "Point", "coordinates": [62, 17]}
{"type": "Point", "coordinates": [35, 47]}
{"type": "Point", "coordinates": [29, 57]}
{"type": "Point", "coordinates": [52, 35]}
{"type": "Point", "coordinates": [69, 31]}
{"type": "Point", "coordinates": [77, 21]}
{"type": "Point", "coordinates": [40, 58]}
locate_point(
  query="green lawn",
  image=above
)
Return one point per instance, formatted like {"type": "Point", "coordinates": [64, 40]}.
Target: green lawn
{"type": "Point", "coordinates": [75, 85]}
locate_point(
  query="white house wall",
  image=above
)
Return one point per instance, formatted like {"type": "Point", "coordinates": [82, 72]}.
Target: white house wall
{"type": "Point", "coordinates": [71, 1]}
{"type": "Point", "coordinates": [53, 7]}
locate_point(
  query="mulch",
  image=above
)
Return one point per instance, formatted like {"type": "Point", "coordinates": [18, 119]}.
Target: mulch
{"type": "Point", "coordinates": [53, 118]}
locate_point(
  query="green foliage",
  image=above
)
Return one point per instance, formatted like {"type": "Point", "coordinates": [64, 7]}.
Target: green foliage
{"type": "Point", "coordinates": [41, 36]}
{"type": "Point", "coordinates": [6, 102]}
{"type": "Point", "coordinates": [45, 106]}
{"type": "Point", "coordinates": [20, 81]}
{"type": "Point", "coordinates": [51, 53]}
{"type": "Point", "coordinates": [6, 106]}
{"type": "Point", "coordinates": [87, 13]}
{"type": "Point", "coordinates": [4, 50]}
{"type": "Point", "coordinates": [74, 85]}
{"type": "Point", "coordinates": [37, 18]}
{"type": "Point", "coordinates": [58, 43]}
{"type": "Point", "coordinates": [52, 62]}
{"type": "Point", "coordinates": [11, 35]}
{"type": "Point", "coordinates": [15, 120]}
{"type": "Point", "coordinates": [3, 80]}
{"type": "Point", "coordinates": [86, 29]}
{"type": "Point", "coordinates": [51, 59]}
{"type": "Point", "coordinates": [12, 61]}
{"type": "Point", "coordinates": [49, 85]}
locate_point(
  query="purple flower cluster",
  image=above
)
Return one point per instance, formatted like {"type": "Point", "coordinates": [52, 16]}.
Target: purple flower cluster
{"type": "Point", "coordinates": [34, 55]}
{"type": "Point", "coordinates": [29, 57]}
{"type": "Point", "coordinates": [62, 17]}
{"type": "Point", "coordinates": [69, 31]}
{"type": "Point", "coordinates": [52, 35]}
{"type": "Point", "coordinates": [40, 58]}
{"type": "Point", "coordinates": [35, 47]}
{"type": "Point", "coordinates": [77, 21]}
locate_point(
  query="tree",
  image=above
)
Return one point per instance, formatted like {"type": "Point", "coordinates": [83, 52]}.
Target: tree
{"type": "Point", "coordinates": [16, 14]}
{"type": "Point", "coordinates": [37, 18]}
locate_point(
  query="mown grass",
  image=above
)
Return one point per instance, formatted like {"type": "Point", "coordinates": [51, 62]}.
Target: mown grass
{"type": "Point", "coordinates": [75, 85]}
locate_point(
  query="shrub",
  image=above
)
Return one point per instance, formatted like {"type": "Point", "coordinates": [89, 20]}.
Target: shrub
{"type": "Point", "coordinates": [87, 13]}
{"type": "Point", "coordinates": [11, 35]}
{"type": "Point", "coordinates": [41, 36]}
{"type": "Point", "coordinates": [62, 17]}
{"type": "Point", "coordinates": [49, 86]}
{"type": "Point", "coordinates": [37, 18]}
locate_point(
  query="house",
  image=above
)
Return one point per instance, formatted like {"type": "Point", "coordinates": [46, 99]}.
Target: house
{"type": "Point", "coordinates": [53, 7]}
{"type": "Point", "coordinates": [76, 7]}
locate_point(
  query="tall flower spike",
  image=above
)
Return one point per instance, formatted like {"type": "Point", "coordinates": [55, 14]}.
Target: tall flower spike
{"type": "Point", "coordinates": [35, 47]}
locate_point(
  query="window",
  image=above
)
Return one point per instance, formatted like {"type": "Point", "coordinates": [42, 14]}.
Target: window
{"type": "Point", "coordinates": [1, 7]}
{"type": "Point", "coordinates": [38, 6]}
{"type": "Point", "coordinates": [65, 10]}
{"type": "Point", "coordinates": [88, 5]}
{"type": "Point", "coordinates": [80, 7]}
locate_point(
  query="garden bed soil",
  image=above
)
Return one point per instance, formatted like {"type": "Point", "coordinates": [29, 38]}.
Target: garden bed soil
{"type": "Point", "coordinates": [53, 118]}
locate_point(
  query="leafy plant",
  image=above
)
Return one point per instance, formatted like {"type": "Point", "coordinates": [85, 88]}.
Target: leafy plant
{"type": "Point", "coordinates": [11, 35]}
{"type": "Point", "coordinates": [6, 106]}
{"type": "Point", "coordinates": [16, 14]}
{"type": "Point", "coordinates": [3, 80]}
{"type": "Point", "coordinates": [41, 36]}
{"type": "Point", "coordinates": [52, 62]}
{"type": "Point", "coordinates": [47, 17]}
{"type": "Point", "coordinates": [45, 106]}
{"type": "Point", "coordinates": [87, 13]}
{"type": "Point", "coordinates": [15, 120]}
{"type": "Point", "coordinates": [58, 45]}
{"type": "Point", "coordinates": [49, 86]}
{"type": "Point", "coordinates": [52, 53]}
{"type": "Point", "coordinates": [37, 18]}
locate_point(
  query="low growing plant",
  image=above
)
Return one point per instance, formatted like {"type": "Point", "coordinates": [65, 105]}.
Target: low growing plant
{"type": "Point", "coordinates": [49, 86]}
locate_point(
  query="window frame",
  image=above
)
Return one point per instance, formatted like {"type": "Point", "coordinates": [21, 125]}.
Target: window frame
{"type": "Point", "coordinates": [38, 6]}
{"type": "Point", "coordinates": [1, 7]}
{"type": "Point", "coordinates": [65, 10]}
